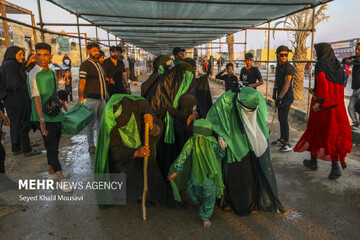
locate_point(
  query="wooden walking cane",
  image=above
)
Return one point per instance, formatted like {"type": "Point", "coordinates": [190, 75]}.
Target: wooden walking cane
{"type": "Point", "coordinates": [272, 122]}
{"type": "Point", "coordinates": [146, 159]}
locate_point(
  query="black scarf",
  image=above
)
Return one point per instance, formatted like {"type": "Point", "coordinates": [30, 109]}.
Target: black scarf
{"type": "Point", "coordinates": [329, 64]}
{"type": "Point", "coordinates": [11, 52]}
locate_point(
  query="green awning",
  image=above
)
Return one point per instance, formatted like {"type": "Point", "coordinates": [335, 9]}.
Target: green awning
{"type": "Point", "coordinates": [160, 25]}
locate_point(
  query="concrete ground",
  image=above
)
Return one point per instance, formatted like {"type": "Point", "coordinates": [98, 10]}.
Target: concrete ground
{"type": "Point", "coordinates": [316, 208]}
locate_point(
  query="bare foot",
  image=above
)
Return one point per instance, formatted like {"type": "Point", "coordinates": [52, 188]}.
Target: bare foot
{"type": "Point", "coordinates": [206, 224]}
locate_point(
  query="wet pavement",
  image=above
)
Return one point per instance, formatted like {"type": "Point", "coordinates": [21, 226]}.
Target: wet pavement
{"type": "Point", "coordinates": [317, 208]}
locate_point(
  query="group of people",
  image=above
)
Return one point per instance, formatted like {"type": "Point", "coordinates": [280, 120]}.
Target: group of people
{"type": "Point", "coordinates": [209, 150]}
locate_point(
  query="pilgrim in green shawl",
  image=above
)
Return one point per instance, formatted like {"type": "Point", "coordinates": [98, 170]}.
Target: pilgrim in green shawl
{"type": "Point", "coordinates": [165, 97]}
{"type": "Point", "coordinates": [198, 169]}
{"type": "Point", "coordinates": [120, 149]}
{"type": "Point", "coordinates": [239, 119]}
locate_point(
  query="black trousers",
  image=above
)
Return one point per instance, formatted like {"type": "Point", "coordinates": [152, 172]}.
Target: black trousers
{"type": "Point", "coordinates": [69, 90]}
{"type": "Point", "coordinates": [51, 142]}
{"type": "Point", "coordinates": [2, 158]}
{"type": "Point", "coordinates": [283, 115]}
{"type": "Point", "coordinates": [18, 108]}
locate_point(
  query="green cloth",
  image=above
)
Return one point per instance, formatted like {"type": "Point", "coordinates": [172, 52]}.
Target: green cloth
{"type": "Point", "coordinates": [46, 85]}
{"type": "Point", "coordinates": [169, 121]}
{"type": "Point", "coordinates": [205, 196]}
{"type": "Point", "coordinates": [222, 116]}
{"type": "Point", "coordinates": [161, 70]}
{"type": "Point", "coordinates": [130, 133]}
{"type": "Point", "coordinates": [176, 62]}
{"type": "Point", "coordinates": [205, 155]}
{"type": "Point", "coordinates": [101, 169]}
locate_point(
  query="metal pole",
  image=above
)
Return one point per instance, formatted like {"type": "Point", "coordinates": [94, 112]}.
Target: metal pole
{"type": "Point", "coordinates": [268, 62]}
{"type": "Point", "coordinates": [311, 56]}
{"type": "Point", "coordinates": [78, 28]}
{"type": "Point", "coordinates": [245, 41]}
{"type": "Point", "coordinates": [41, 22]}
{"type": "Point", "coordinates": [97, 37]}
{"type": "Point", "coordinates": [108, 38]}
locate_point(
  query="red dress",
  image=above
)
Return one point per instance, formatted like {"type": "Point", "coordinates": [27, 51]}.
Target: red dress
{"type": "Point", "coordinates": [328, 132]}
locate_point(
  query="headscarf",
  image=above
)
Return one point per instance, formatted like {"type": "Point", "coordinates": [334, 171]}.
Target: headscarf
{"type": "Point", "coordinates": [11, 52]}
{"type": "Point", "coordinates": [329, 64]}
{"type": "Point", "coordinates": [189, 64]}
{"type": "Point", "coordinates": [186, 104]}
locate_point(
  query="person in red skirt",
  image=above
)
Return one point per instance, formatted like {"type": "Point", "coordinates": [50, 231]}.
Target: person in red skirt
{"type": "Point", "coordinates": [328, 133]}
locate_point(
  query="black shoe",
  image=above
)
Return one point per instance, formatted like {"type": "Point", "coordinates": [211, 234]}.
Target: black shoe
{"type": "Point", "coordinates": [278, 142]}
{"type": "Point", "coordinates": [335, 171]}
{"type": "Point", "coordinates": [32, 153]}
{"type": "Point", "coordinates": [17, 153]}
{"type": "Point", "coordinates": [310, 164]}
{"type": "Point", "coordinates": [286, 147]}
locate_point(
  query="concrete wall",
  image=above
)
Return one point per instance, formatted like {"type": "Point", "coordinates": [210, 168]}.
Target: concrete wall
{"type": "Point", "coordinates": [22, 33]}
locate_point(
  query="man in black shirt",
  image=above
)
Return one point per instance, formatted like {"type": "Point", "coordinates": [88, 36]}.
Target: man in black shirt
{"type": "Point", "coordinates": [92, 90]}
{"type": "Point", "coordinates": [250, 76]}
{"type": "Point", "coordinates": [355, 96]}
{"type": "Point", "coordinates": [284, 99]}
{"type": "Point", "coordinates": [231, 81]}
{"type": "Point", "coordinates": [115, 73]}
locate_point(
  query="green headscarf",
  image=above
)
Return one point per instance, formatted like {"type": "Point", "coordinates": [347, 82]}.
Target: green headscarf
{"type": "Point", "coordinates": [222, 116]}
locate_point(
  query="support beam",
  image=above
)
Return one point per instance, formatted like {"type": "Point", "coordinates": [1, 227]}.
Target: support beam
{"type": "Point", "coordinates": [97, 37]}
{"type": "Point", "coordinates": [41, 22]}
{"type": "Point", "coordinates": [312, 57]}
{"type": "Point", "coordinates": [304, 3]}
{"type": "Point", "coordinates": [268, 62]}
{"type": "Point", "coordinates": [245, 43]}
{"type": "Point", "coordinates": [34, 31]}
{"type": "Point", "coordinates": [108, 35]}
{"type": "Point", "coordinates": [78, 29]}
{"type": "Point", "coordinates": [5, 25]}
{"type": "Point", "coordinates": [173, 19]}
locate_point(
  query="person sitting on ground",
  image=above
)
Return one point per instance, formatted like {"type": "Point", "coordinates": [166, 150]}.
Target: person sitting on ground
{"type": "Point", "coordinates": [250, 76]}
{"type": "Point", "coordinates": [231, 81]}
{"type": "Point", "coordinates": [198, 169]}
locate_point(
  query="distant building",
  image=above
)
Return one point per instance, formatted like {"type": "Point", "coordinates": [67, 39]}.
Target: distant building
{"type": "Point", "coordinates": [345, 48]}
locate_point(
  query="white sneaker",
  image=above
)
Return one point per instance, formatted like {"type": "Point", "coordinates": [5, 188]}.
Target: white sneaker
{"type": "Point", "coordinates": [65, 186]}
{"type": "Point", "coordinates": [54, 177]}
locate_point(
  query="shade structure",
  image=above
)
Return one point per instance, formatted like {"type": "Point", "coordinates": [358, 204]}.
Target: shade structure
{"type": "Point", "coordinates": [160, 25]}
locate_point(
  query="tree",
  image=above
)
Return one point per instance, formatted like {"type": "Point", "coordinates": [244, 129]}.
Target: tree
{"type": "Point", "coordinates": [301, 20]}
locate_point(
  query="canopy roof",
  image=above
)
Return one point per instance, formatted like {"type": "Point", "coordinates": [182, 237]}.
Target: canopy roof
{"type": "Point", "coordinates": [160, 25]}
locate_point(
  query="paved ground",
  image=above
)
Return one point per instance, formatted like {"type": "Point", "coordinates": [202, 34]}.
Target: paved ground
{"type": "Point", "coordinates": [317, 208]}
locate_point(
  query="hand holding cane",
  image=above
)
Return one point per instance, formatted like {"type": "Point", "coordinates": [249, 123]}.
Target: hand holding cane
{"type": "Point", "coordinates": [146, 159]}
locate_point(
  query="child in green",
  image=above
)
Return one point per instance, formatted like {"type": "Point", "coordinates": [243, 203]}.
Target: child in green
{"type": "Point", "coordinates": [201, 175]}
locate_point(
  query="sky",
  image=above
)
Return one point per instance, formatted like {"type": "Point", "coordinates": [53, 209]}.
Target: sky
{"type": "Point", "coordinates": [340, 26]}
